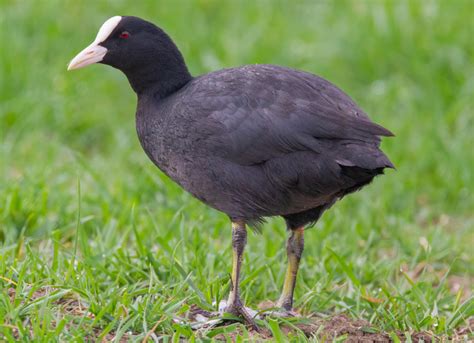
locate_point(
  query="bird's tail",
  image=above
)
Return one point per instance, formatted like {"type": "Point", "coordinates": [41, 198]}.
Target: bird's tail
{"type": "Point", "coordinates": [367, 157]}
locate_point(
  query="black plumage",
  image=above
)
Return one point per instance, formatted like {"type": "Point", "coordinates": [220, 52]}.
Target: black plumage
{"type": "Point", "coordinates": [261, 141]}
{"type": "Point", "coordinates": [254, 141]}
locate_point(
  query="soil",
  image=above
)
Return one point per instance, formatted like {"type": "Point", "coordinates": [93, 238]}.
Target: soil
{"type": "Point", "coordinates": [341, 326]}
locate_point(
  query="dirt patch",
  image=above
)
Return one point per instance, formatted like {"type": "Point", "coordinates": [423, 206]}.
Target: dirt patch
{"type": "Point", "coordinates": [341, 325]}
{"type": "Point", "coordinates": [354, 330]}
{"type": "Point", "coordinates": [359, 330]}
{"type": "Point", "coordinates": [328, 329]}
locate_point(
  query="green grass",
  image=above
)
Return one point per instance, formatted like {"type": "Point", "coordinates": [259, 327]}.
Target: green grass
{"type": "Point", "coordinates": [95, 242]}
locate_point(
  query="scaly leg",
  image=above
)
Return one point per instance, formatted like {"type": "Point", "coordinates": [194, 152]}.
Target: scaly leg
{"type": "Point", "coordinates": [294, 250]}
{"type": "Point", "coordinates": [234, 304]}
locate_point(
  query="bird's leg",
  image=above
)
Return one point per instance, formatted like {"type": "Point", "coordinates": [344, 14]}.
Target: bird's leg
{"type": "Point", "coordinates": [234, 304]}
{"type": "Point", "coordinates": [294, 250]}
{"type": "Point", "coordinates": [239, 240]}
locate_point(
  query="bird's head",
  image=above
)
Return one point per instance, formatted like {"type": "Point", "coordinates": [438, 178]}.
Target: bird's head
{"type": "Point", "coordinates": [140, 49]}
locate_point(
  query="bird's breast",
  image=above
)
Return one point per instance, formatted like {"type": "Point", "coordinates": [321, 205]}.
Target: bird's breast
{"type": "Point", "coordinates": [166, 143]}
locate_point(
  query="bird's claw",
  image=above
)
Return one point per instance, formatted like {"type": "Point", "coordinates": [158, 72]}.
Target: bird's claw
{"type": "Point", "coordinates": [239, 310]}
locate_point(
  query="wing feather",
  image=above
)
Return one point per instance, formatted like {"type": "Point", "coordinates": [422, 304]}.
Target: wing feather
{"type": "Point", "coordinates": [263, 111]}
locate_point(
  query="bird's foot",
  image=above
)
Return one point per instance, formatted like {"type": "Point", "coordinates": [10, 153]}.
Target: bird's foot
{"type": "Point", "coordinates": [282, 313]}
{"type": "Point", "coordinates": [271, 309]}
{"type": "Point", "coordinates": [237, 309]}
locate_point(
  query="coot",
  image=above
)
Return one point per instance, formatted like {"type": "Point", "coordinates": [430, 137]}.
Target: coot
{"type": "Point", "coordinates": [253, 142]}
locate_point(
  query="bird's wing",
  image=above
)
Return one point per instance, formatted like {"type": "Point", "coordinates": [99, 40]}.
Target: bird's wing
{"type": "Point", "coordinates": [256, 113]}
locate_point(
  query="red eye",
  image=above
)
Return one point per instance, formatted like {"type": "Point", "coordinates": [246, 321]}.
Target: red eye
{"type": "Point", "coordinates": [124, 35]}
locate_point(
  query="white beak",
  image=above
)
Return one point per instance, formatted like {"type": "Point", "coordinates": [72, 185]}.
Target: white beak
{"type": "Point", "coordinates": [95, 53]}
{"type": "Point", "coordinates": [92, 54]}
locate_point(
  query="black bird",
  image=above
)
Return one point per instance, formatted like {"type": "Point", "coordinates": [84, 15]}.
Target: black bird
{"type": "Point", "coordinates": [253, 142]}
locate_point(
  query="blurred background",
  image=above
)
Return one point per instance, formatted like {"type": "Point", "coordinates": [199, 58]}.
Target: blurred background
{"type": "Point", "coordinates": [408, 64]}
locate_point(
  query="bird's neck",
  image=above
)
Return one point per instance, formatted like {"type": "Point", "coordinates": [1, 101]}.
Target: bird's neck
{"type": "Point", "coordinates": [166, 73]}
{"type": "Point", "coordinates": [162, 79]}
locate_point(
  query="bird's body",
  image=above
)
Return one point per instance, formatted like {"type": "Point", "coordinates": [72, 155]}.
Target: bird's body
{"type": "Point", "coordinates": [252, 142]}
{"type": "Point", "coordinates": [261, 140]}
